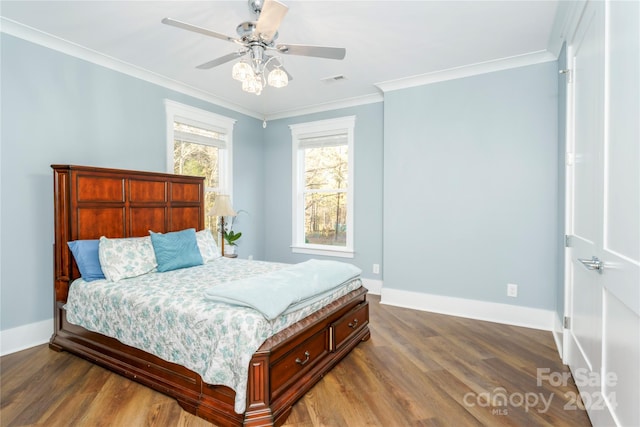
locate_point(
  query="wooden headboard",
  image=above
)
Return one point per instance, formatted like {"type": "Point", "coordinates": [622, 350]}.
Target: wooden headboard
{"type": "Point", "coordinates": [93, 202]}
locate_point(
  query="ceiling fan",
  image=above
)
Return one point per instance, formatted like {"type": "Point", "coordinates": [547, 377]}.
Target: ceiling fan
{"type": "Point", "coordinates": [256, 38]}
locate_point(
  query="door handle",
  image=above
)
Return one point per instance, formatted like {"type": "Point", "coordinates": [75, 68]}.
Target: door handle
{"type": "Point", "coordinates": [592, 264]}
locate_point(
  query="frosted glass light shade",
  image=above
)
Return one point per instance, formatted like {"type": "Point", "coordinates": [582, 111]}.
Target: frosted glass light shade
{"type": "Point", "coordinates": [278, 78]}
{"type": "Point", "coordinates": [252, 85]}
{"type": "Point", "coordinates": [241, 71]}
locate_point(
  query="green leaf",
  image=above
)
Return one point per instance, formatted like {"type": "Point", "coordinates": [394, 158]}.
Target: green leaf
{"type": "Point", "coordinates": [232, 236]}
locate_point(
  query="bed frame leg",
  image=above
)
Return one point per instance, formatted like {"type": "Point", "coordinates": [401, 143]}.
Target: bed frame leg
{"type": "Point", "coordinates": [54, 346]}
{"type": "Point", "coordinates": [262, 418]}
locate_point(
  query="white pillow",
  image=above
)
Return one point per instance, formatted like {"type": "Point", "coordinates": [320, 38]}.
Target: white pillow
{"type": "Point", "coordinates": [124, 258]}
{"type": "Point", "coordinates": [207, 245]}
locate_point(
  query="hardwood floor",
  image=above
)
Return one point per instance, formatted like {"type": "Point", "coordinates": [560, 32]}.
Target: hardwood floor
{"type": "Point", "coordinates": [418, 369]}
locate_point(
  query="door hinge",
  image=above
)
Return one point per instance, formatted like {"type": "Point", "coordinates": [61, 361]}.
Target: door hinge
{"type": "Point", "coordinates": [567, 241]}
{"type": "Point", "coordinates": [568, 73]}
{"type": "Point", "coordinates": [569, 159]}
{"type": "Point", "coordinates": [566, 323]}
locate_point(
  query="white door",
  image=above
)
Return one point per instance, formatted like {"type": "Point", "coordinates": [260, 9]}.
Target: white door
{"type": "Point", "coordinates": [603, 274]}
{"type": "Point", "coordinates": [586, 62]}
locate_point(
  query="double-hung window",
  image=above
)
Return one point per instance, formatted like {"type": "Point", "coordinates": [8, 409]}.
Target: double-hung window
{"type": "Point", "coordinates": [199, 143]}
{"type": "Point", "coordinates": [323, 171]}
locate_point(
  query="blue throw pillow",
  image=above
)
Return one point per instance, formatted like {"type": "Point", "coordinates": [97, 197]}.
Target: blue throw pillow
{"type": "Point", "coordinates": [178, 249]}
{"type": "Point", "coordinates": [85, 252]}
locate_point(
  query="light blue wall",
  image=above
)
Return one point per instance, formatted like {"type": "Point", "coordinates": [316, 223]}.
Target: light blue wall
{"type": "Point", "coordinates": [60, 109]}
{"type": "Point", "coordinates": [468, 169]}
{"type": "Point", "coordinates": [368, 187]}
{"type": "Point", "coordinates": [470, 187]}
{"type": "Point", "coordinates": [248, 185]}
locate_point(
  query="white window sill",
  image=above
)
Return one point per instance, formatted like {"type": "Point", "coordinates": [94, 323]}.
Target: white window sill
{"type": "Point", "coordinates": [325, 251]}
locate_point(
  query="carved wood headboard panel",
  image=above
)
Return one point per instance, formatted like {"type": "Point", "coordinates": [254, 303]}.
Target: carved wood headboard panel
{"type": "Point", "coordinates": [93, 202]}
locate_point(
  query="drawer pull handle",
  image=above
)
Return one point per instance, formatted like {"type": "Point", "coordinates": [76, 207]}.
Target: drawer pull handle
{"type": "Point", "coordinates": [303, 362]}
{"type": "Point", "coordinates": [353, 324]}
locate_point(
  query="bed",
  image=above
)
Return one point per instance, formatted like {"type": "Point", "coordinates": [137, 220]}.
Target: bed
{"type": "Point", "coordinates": [93, 202]}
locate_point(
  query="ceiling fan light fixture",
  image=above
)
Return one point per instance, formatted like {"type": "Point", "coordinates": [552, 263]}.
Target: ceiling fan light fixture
{"type": "Point", "coordinates": [252, 84]}
{"type": "Point", "coordinates": [241, 71]}
{"type": "Point", "coordinates": [257, 37]}
{"type": "Point", "coordinates": [278, 78]}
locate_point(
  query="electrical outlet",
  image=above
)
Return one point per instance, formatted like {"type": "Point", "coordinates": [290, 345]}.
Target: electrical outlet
{"type": "Point", "coordinates": [376, 268]}
{"type": "Point", "coordinates": [512, 290]}
{"type": "Point", "coordinates": [250, 257]}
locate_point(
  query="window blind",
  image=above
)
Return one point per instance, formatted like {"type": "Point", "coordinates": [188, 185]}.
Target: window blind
{"type": "Point", "coordinates": [187, 132]}
{"type": "Point", "coordinates": [334, 140]}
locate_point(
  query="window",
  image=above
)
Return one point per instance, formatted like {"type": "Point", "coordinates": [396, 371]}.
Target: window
{"type": "Point", "coordinates": [199, 143]}
{"type": "Point", "coordinates": [323, 187]}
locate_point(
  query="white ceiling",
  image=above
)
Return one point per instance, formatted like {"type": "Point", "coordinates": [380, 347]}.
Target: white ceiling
{"type": "Point", "coordinates": [385, 41]}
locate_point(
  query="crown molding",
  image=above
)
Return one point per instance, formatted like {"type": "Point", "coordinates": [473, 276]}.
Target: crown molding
{"type": "Point", "coordinates": [329, 106]}
{"type": "Point", "coordinates": [558, 36]}
{"type": "Point", "coordinates": [468, 70]}
{"type": "Point", "coordinates": [33, 35]}
{"type": "Point", "coordinates": [565, 24]}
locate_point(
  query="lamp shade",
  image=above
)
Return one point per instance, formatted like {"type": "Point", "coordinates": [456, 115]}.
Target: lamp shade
{"type": "Point", "coordinates": [222, 206]}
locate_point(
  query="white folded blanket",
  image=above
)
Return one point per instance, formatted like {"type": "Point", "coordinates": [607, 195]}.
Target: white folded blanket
{"type": "Point", "coordinates": [273, 293]}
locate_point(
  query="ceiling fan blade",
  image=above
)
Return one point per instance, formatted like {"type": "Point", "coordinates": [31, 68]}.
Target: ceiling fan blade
{"type": "Point", "coordinates": [270, 18]}
{"type": "Point", "coordinates": [221, 60]}
{"type": "Point", "coordinates": [197, 29]}
{"type": "Point", "coordinates": [317, 51]}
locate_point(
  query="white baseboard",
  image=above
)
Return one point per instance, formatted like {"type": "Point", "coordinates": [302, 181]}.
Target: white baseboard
{"type": "Point", "coordinates": [558, 331]}
{"type": "Point", "coordinates": [374, 286]}
{"type": "Point", "coordinates": [515, 315]}
{"type": "Point", "coordinates": [26, 336]}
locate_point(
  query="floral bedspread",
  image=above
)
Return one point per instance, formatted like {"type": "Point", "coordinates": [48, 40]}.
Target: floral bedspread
{"type": "Point", "coordinates": [167, 315]}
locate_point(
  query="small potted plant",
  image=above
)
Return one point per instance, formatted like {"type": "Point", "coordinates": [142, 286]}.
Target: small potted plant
{"type": "Point", "coordinates": [230, 238]}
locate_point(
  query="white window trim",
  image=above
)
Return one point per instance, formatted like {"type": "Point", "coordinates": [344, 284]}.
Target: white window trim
{"type": "Point", "coordinates": [208, 120]}
{"type": "Point", "coordinates": [311, 129]}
